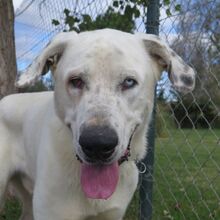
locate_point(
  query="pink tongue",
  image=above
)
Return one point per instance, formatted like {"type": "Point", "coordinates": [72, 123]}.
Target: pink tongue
{"type": "Point", "coordinates": [99, 181]}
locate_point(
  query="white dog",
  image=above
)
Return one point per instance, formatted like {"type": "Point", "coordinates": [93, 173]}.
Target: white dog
{"type": "Point", "coordinates": [70, 153]}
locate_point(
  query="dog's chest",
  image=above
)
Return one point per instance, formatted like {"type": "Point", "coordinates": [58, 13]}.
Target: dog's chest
{"type": "Point", "coordinates": [114, 213]}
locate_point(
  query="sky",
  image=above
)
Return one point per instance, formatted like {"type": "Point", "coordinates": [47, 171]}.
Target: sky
{"type": "Point", "coordinates": [17, 3]}
{"type": "Point", "coordinates": [33, 28]}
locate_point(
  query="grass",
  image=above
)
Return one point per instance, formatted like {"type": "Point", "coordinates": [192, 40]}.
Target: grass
{"type": "Point", "coordinates": [187, 175]}
{"type": "Point", "coordinates": [186, 178]}
{"type": "Point", "coordinates": [12, 210]}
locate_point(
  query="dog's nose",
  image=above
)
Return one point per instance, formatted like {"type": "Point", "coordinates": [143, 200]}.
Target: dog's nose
{"type": "Point", "coordinates": [98, 142]}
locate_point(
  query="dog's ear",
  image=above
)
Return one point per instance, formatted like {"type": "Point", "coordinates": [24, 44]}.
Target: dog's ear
{"type": "Point", "coordinates": [46, 60]}
{"type": "Point", "coordinates": [181, 75]}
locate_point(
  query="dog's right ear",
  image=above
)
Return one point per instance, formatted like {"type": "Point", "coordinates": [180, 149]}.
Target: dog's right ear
{"type": "Point", "coordinates": [181, 74]}
{"type": "Point", "coordinates": [46, 60]}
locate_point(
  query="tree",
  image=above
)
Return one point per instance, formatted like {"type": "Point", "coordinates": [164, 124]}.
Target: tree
{"type": "Point", "coordinates": [8, 67]}
{"type": "Point", "coordinates": [110, 18]}
{"type": "Point", "coordinates": [121, 15]}
{"type": "Point", "coordinates": [199, 44]}
{"type": "Point", "coordinates": [39, 86]}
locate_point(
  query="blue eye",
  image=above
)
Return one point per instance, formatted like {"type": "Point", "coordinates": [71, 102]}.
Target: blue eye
{"type": "Point", "coordinates": [128, 83]}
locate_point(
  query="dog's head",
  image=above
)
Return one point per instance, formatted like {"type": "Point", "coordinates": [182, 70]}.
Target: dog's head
{"type": "Point", "coordinates": [104, 91]}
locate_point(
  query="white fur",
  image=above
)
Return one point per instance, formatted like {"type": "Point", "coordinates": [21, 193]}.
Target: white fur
{"type": "Point", "coordinates": [39, 132]}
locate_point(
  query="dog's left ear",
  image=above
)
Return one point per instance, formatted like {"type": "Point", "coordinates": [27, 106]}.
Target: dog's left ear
{"type": "Point", "coordinates": [181, 75]}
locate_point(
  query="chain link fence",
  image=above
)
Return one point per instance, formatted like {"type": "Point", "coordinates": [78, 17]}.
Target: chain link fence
{"type": "Point", "coordinates": [186, 176]}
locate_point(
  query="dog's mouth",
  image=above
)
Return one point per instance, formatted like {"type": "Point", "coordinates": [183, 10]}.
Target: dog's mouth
{"type": "Point", "coordinates": [99, 180]}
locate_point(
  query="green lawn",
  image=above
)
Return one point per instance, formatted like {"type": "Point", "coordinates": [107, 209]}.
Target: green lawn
{"type": "Point", "coordinates": [186, 178]}
{"type": "Point", "coordinates": [11, 211]}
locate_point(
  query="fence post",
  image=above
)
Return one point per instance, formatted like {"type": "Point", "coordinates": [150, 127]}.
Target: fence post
{"type": "Point", "coordinates": [146, 188]}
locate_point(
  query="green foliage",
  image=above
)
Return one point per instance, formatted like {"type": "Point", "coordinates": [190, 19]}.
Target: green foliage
{"type": "Point", "coordinates": [166, 2]}
{"type": "Point", "coordinates": [120, 15]}
{"type": "Point", "coordinates": [55, 22]}
{"type": "Point", "coordinates": [12, 210]}
{"type": "Point", "coordinates": [200, 45]}
{"type": "Point", "coordinates": [171, 8]}
{"type": "Point", "coordinates": [111, 19]}
{"type": "Point", "coordinates": [168, 12]}
{"type": "Point", "coordinates": [131, 9]}
{"type": "Point", "coordinates": [164, 120]}
{"type": "Point", "coordinates": [178, 7]}
{"type": "Point", "coordinates": [195, 115]}
{"type": "Point", "coordinates": [37, 87]}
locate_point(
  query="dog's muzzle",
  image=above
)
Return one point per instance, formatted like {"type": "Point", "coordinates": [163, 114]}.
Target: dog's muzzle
{"type": "Point", "coordinates": [99, 178]}
{"type": "Point", "coordinates": [98, 143]}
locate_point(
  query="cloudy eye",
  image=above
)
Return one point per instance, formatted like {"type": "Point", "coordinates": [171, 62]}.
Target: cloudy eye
{"type": "Point", "coordinates": [128, 83]}
{"type": "Point", "coordinates": [76, 83]}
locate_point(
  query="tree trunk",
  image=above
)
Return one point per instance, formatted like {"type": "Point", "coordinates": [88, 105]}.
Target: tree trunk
{"type": "Point", "coordinates": [8, 68]}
